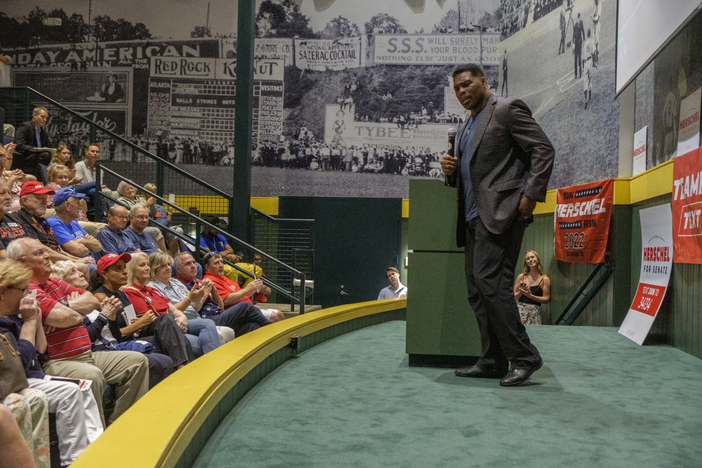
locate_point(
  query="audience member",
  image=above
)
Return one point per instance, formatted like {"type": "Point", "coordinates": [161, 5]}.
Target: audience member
{"type": "Point", "coordinates": [63, 307]}
{"type": "Point", "coordinates": [531, 289]}
{"type": "Point", "coordinates": [77, 415]}
{"type": "Point", "coordinates": [129, 199]}
{"type": "Point", "coordinates": [147, 299]}
{"type": "Point", "coordinates": [230, 291]}
{"type": "Point", "coordinates": [30, 409]}
{"type": "Point", "coordinates": [242, 317]}
{"type": "Point", "coordinates": [85, 169]}
{"type": "Point", "coordinates": [160, 330]}
{"type": "Point", "coordinates": [63, 157]}
{"type": "Point", "coordinates": [163, 218]}
{"type": "Point", "coordinates": [104, 329]}
{"type": "Point", "coordinates": [33, 144]}
{"type": "Point", "coordinates": [112, 237]}
{"type": "Point", "coordinates": [13, 178]}
{"type": "Point", "coordinates": [69, 234]}
{"type": "Point", "coordinates": [396, 289]}
{"type": "Point", "coordinates": [140, 232]}
{"type": "Point", "coordinates": [210, 241]}
{"type": "Point", "coordinates": [29, 222]}
{"type": "Point", "coordinates": [15, 453]}
{"type": "Point", "coordinates": [5, 224]}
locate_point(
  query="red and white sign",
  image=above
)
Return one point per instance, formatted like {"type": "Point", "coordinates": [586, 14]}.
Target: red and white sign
{"type": "Point", "coordinates": [687, 207]}
{"type": "Point", "coordinates": [640, 151]}
{"type": "Point", "coordinates": [656, 264]}
{"type": "Point", "coordinates": [582, 220]}
{"type": "Point", "coordinates": [689, 124]}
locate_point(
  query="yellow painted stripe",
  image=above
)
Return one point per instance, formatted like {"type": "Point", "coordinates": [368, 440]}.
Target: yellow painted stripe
{"type": "Point", "coordinates": [405, 208]}
{"type": "Point", "coordinates": [207, 204]}
{"type": "Point", "coordinates": [156, 430]}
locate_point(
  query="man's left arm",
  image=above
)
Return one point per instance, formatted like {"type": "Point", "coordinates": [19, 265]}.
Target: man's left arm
{"type": "Point", "coordinates": [535, 144]}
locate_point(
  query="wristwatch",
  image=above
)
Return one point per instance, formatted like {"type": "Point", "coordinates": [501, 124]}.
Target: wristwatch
{"type": "Point", "coordinates": [65, 303]}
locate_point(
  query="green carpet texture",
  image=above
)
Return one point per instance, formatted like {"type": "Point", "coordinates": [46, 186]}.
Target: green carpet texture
{"type": "Point", "coordinates": [600, 400]}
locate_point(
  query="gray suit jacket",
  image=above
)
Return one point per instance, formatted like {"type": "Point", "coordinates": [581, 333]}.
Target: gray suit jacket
{"type": "Point", "coordinates": [512, 156]}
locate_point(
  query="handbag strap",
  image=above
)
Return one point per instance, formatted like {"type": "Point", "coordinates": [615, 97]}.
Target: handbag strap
{"type": "Point", "coordinates": [147, 301]}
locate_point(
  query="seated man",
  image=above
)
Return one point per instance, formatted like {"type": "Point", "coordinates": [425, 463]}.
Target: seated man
{"type": "Point", "coordinates": [29, 222]}
{"type": "Point", "coordinates": [396, 289]}
{"type": "Point", "coordinates": [254, 271]}
{"type": "Point", "coordinates": [230, 291]}
{"type": "Point", "coordinates": [62, 308]}
{"type": "Point", "coordinates": [242, 317]}
{"type": "Point", "coordinates": [112, 237]}
{"type": "Point", "coordinates": [33, 145]}
{"type": "Point", "coordinates": [210, 241]}
{"type": "Point", "coordinates": [69, 234]}
{"type": "Point", "coordinates": [139, 220]}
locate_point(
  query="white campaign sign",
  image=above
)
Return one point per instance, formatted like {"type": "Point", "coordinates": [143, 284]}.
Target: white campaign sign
{"type": "Point", "coordinates": [656, 264]}
{"type": "Point", "coordinates": [689, 125]}
{"type": "Point", "coordinates": [640, 150]}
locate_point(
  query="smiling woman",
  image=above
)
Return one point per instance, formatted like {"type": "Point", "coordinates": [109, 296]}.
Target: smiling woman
{"type": "Point", "coordinates": [532, 289]}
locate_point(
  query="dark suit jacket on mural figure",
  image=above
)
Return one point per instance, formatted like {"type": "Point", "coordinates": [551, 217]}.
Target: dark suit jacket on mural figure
{"type": "Point", "coordinates": [510, 157]}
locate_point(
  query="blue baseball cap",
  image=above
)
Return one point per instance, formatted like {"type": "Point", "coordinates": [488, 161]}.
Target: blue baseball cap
{"type": "Point", "coordinates": [64, 194]}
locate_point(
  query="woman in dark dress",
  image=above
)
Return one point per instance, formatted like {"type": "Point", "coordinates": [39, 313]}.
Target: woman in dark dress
{"type": "Point", "coordinates": [532, 289]}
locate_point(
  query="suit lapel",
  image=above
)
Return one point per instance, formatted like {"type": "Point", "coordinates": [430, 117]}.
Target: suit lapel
{"type": "Point", "coordinates": [457, 144]}
{"type": "Point", "coordinates": [484, 121]}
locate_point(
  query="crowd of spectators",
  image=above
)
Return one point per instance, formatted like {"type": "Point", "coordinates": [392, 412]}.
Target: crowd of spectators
{"type": "Point", "coordinates": [517, 14]}
{"type": "Point", "coordinates": [93, 315]}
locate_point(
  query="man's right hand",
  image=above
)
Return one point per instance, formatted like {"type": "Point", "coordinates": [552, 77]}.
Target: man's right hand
{"type": "Point", "coordinates": [449, 164]}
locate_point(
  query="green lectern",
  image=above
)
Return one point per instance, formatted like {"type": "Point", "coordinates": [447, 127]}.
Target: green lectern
{"type": "Point", "coordinates": [441, 327]}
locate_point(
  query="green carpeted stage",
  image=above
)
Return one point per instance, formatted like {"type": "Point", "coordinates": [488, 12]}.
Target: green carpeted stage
{"type": "Point", "coordinates": [599, 401]}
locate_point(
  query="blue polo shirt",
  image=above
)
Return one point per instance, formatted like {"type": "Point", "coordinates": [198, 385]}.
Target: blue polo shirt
{"type": "Point", "coordinates": [216, 243]}
{"type": "Point", "coordinates": [143, 241]}
{"type": "Point", "coordinates": [115, 242]}
{"type": "Point", "coordinates": [66, 232]}
{"type": "Point", "coordinates": [466, 143]}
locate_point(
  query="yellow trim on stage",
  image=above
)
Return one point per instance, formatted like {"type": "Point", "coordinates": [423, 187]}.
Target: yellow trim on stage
{"type": "Point", "coordinates": [405, 208]}
{"type": "Point", "coordinates": [157, 429]}
{"type": "Point", "coordinates": [653, 183]}
{"type": "Point", "coordinates": [207, 204]}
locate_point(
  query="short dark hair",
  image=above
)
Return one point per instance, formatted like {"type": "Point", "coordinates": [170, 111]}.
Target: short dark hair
{"type": "Point", "coordinates": [471, 68]}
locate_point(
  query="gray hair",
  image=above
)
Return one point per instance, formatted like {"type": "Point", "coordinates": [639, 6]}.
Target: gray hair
{"type": "Point", "coordinates": [138, 206]}
{"type": "Point", "coordinates": [114, 208]}
{"type": "Point", "coordinates": [37, 110]}
{"type": "Point", "coordinates": [15, 250]}
{"type": "Point", "coordinates": [177, 258]}
{"type": "Point", "coordinates": [60, 269]}
{"type": "Point", "coordinates": [120, 187]}
{"type": "Point", "coordinates": [60, 208]}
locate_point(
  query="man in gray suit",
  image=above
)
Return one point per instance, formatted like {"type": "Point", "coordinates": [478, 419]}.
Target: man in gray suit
{"type": "Point", "coordinates": [502, 166]}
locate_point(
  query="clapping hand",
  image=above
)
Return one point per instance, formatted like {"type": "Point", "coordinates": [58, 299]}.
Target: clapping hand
{"type": "Point", "coordinates": [29, 309]}
{"type": "Point", "coordinates": [110, 307]}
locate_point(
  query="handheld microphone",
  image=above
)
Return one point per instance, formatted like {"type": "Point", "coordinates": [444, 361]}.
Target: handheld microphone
{"type": "Point", "coordinates": [451, 140]}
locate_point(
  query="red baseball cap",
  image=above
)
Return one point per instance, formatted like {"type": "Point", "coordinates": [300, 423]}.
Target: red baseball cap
{"type": "Point", "coordinates": [110, 259]}
{"type": "Point", "coordinates": [35, 187]}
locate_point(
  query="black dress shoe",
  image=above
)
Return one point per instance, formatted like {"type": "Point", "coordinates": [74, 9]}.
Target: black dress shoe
{"type": "Point", "coordinates": [519, 376]}
{"type": "Point", "coordinates": [479, 373]}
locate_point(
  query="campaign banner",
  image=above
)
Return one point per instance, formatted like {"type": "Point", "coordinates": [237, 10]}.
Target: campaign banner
{"type": "Point", "coordinates": [687, 207]}
{"type": "Point", "coordinates": [640, 151]}
{"type": "Point", "coordinates": [582, 220]}
{"type": "Point", "coordinates": [437, 49]}
{"type": "Point", "coordinates": [656, 265]}
{"type": "Point", "coordinates": [689, 124]}
{"type": "Point", "coordinates": [328, 54]}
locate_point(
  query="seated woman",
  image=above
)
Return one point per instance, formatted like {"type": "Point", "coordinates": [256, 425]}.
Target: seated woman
{"type": "Point", "coordinates": [532, 289]}
{"type": "Point", "coordinates": [163, 218]}
{"type": "Point", "coordinates": [160, 330]}
{"type": "Point", "coordinates": [146, 299]}
{"type": "Point", "coordinates": [77, 415]}
{"type": "Point", "coordinates": [15, 450]}
{"type": "Point", "coordinates": [63, 157]}
{"type": "Point", "coordinates": [128, 198]}
{"type": "Point", "coordinates": [105, 325]}
{"type": "Point", "coordinates": [176, 291]}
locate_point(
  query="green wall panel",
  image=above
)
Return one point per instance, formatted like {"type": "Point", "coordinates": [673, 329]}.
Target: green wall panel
{"type": "Point", "coordinates": [440, 321]}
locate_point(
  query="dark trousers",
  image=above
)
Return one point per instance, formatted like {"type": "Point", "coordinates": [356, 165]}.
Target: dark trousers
{"type": "Point", "coordinates": [578, 57]}
{"type": "Point", "coordinates": [490, 264]}
{"type": "Point", "coordinates": [242, 318]}
{"type": "Point", "coordinates": [160, 367]}
{"type": "Point", "coordinates": [30, 163]}
{"type": "Point", "coordinates": [169, 339]}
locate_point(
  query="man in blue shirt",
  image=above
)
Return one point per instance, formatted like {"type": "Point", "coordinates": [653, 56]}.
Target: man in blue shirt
{"type": "Point", "coordinates": [139, 220]}
{"type": "Point", "coordinates": [112, 237]}
{"type": "Point", "coordinates": [210, 241]}
{"type": "Point", "coordinates": [72, 238]}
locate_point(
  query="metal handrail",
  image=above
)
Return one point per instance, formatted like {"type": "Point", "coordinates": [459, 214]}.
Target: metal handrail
{"type": "Point", "coordinates": [266, 215]}
{"type": "Point", "coordinates": [198, 222]}
{"type": "Point", "coordinates": [128, 143]}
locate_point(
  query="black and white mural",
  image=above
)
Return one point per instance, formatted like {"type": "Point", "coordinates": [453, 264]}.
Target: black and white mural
{"type": "Point", "coordinates": [351, 97]}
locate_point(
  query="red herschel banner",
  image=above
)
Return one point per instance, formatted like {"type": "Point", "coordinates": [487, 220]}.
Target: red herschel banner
{"type": "Point", "coordinates": [582, 222]}
{"type": "Point", "coordinates": [687, 207]}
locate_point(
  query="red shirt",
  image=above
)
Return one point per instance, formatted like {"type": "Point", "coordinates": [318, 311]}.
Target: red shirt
{"type": "Point", "coordinates": [142, 294]}
{"type": "Point", "coordinates": [225, 286]}
{"type": "Point", "coordinates": [62, 342]}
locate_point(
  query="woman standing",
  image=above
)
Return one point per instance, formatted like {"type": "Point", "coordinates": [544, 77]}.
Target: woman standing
{"type": "Point", "coordinates": [532, 289]}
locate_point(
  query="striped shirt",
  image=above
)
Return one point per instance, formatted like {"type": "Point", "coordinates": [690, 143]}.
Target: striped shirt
{"type": "Point", "coordinates": [63, 342]}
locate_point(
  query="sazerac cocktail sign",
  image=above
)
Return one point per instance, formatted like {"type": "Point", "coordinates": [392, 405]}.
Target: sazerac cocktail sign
{"type": "Point", "coordinates": [582, 219]}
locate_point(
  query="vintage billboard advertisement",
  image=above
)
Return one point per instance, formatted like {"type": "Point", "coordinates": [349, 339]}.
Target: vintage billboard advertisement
{"type": "Point", "coordinates": [328, 54]}
{"type": "Point", "coordinates": [437, 49]}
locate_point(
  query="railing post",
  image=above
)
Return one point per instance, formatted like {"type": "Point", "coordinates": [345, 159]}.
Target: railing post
{"type": "Point", "coordinates": [27, 104]}
{"type": "Point", "coordinates": [197, 240]}
{"type": "Point", "coordinates": [98, 193]}
{"type": "Point", "coordinates": [159, 178]}
{"type": "Point", "coordinates": [303, 292]}
{"type": "Point", "coordinates": [93, 135]}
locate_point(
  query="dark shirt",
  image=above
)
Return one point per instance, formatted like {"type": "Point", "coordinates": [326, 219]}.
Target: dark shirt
{"type": "Point", "coordinates": [142, 241]}
{"type": "Point", "coordinates": [35, 228]}
{"type": "Point", "coordinates": [115, 242]}
{"type": "Point", "coordinates": [9, 231]}
{"type": "Point", "coordinates": [535, 291]}
{"type": "Point", "coordinates": [467, 141]}
{"type": "Point", "coordinates": [12, 325]}
{"type": "Point", "coordinates": [26, 138]}
{"type": "Point", "coordinates": [210, 307]}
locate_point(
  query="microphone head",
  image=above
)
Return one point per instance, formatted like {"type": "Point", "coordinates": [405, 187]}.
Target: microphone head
{"type": "Point", "coordinates": [452, 132]}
